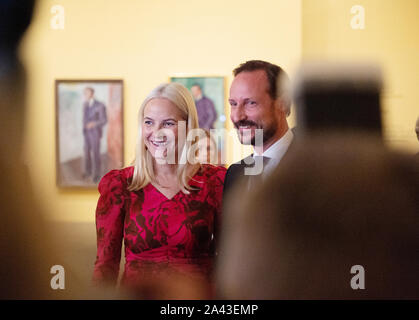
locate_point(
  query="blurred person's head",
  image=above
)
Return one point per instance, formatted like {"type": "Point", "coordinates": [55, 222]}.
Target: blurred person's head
{"type": "Point", "coordinates": [88, 93]}
{"type": "Point", "coordinates": [196, 91]}
{"type": "Point", "coordinates": [335, 202]}
{"type": "Point", "coordinates": [342, 96]}
{"type": "Point", "coordinates": [207, 149]}
{"type": "Point", "coordinates": [258, 101]}
{"type": "Point", "coordinates": [168, 110]}
{"type": "Point", "coordinates": [15, 17]}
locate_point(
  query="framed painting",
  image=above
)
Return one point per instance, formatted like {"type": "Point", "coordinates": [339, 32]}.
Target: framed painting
{"type": "Point", "coordinates": [89, 130]}
{"type": "Point", "coordinates": [209, 95]}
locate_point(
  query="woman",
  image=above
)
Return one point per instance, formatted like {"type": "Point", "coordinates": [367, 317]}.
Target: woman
{"type": "Point", "coordinates": [207, 149]}
{"type": "Point", "coordinates": [167, 211]}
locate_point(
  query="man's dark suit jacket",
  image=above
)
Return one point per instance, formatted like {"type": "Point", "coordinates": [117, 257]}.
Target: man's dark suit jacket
{"type": "Point", "coordinates": [96, 113]}
{"type": "Point", "coordinates": [236, 171]}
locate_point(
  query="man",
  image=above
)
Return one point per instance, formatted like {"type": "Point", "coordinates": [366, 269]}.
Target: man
{"type": "Point", "coordinates": [207, 114]}
{"type": "Point", "coordinates": [94, 118]}
{"type": "Point", "coordinates": [258, 100]}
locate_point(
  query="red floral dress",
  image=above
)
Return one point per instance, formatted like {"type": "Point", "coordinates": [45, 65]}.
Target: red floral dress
{"type": "Point", "coordinates": [160, 235]}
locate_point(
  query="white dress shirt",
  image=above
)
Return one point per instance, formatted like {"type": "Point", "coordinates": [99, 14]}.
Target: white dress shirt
{"type": "Point", "coordinates": [276, 151]}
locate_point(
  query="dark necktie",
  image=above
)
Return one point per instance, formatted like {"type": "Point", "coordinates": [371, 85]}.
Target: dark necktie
{"type": "Point", "coordinates": [255, 179]}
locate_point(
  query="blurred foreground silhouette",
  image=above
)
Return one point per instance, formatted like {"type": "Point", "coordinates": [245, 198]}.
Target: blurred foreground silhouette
{"type": "Point", "coordinates": [339, 199]}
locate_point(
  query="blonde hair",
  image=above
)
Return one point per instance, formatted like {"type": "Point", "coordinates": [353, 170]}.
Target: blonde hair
{"type": "Point", "coordinates": [143, 163]}
{"type": "Point", "coordinates": [213, 156]}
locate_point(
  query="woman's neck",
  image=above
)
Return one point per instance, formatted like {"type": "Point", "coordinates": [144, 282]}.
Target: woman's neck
{"type": "Point", "coordinates": [164, 170]}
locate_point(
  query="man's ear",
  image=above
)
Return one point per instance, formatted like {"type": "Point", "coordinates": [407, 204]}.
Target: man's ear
{"type": "Point", "coordinates": [281, 104]}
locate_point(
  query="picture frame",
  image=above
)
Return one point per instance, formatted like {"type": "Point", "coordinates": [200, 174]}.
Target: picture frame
{"type": "Point", "coordinates": [89, 130]}
{"type": "Point", "coordinates": [209, 95]}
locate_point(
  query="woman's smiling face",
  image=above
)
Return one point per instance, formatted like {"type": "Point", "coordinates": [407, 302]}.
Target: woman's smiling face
{"type": "Point", "coordinates": [160, 127]}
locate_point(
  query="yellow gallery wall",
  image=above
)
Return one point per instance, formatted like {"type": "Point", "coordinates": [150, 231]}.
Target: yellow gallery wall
{"type": "Point", "coordinates": [390, 38]}
{"type": "Point", "coordinates": [143, 43]}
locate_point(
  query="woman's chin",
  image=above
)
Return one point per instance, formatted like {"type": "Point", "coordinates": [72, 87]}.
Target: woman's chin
{"type": "Point", "coordinates": [162, 157]}
{"type": "Point", "coordinates": [159, 154]}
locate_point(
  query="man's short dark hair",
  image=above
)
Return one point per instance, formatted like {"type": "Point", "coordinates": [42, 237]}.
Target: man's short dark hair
{"type": "Point", "coordinates": [273, 73]}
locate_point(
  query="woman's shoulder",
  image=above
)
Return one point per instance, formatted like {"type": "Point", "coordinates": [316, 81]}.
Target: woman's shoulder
{"type": "Point", "coordinates": [117, 178]}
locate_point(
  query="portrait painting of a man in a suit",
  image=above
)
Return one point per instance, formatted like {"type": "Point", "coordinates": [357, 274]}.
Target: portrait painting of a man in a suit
{"type": "Point", "coordinates": [89, 130]}
{"type": "Point", "coordinates": [94, 119]}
